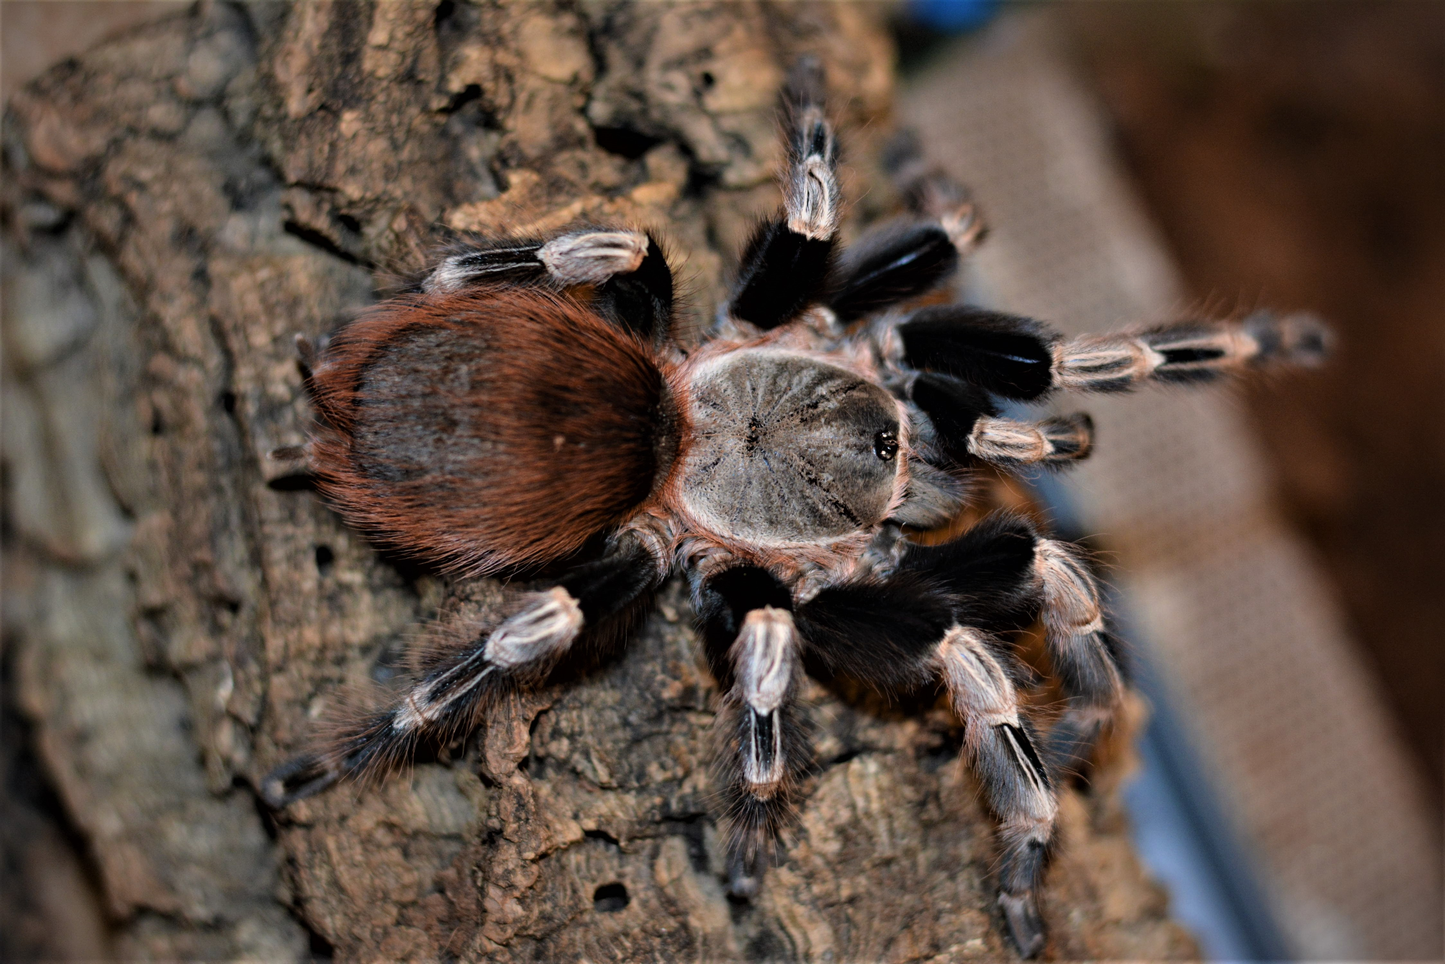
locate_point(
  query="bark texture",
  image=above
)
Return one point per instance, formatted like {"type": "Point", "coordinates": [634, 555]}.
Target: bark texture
{"type": "Point", "coordinates": [178, 609]}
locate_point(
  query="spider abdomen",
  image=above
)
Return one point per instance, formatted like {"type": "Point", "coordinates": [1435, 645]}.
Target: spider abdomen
{"type": "Point", "coordinates": [786, 448]}
{"type": "Point", "coordinates": [489, 429]}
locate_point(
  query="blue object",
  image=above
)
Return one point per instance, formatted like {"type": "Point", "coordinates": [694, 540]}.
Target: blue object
{"type": "Point", "coordinates": [952, 16]}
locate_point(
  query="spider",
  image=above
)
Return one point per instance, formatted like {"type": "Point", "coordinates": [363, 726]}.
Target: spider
{"type": "Point", "coordinates": [524, 409]}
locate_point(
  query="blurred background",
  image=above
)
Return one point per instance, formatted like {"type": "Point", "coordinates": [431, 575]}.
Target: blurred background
{"type": "Point", "coordinates": [1277, 549]}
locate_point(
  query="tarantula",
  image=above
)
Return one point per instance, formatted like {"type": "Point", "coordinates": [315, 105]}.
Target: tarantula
{"type": "Point", "coordinates": [523, 408]}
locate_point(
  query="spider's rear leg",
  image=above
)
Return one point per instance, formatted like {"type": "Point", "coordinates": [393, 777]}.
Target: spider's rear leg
{"type": "Point", "coordinates": [627, 269]}
{"type": "Point", "coordinates": [752, 646]}
{"type": "Point", "coordinates": [460, 671]}
{"type": "Point", "coordinates": [785, 264]}
{"type": "Point", "coordinates": [906, 631]}
{"type": "Point", "coordinates": [1020, 358]}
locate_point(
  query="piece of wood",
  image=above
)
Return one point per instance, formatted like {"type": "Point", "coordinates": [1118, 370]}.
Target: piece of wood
{"type": "Point", "coordinates": [179, 607]}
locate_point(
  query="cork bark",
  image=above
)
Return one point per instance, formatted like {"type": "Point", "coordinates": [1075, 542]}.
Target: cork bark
{"type": "Point", "coordinates": [178, 204]}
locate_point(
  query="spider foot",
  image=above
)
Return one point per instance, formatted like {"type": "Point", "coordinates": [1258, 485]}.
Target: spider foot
{"type": "Point", "coordinates": [745, 877]}
{"type": "Point", "coordinates": [1025, 925]}
{"type": "Point", "coordinates": [296, 779]}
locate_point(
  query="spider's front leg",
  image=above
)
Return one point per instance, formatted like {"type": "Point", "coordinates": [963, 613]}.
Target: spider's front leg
{"type": "Point", "coordinates": [753, 649]}
{"type": "Point", "coordinates": [911, 629]}
{"type": "Point", "coordinates": [1019, 358]}
{"type": "Point", "coordinates": [461, 670]}
{"type": "Point", "coordinates": [1004, 573]}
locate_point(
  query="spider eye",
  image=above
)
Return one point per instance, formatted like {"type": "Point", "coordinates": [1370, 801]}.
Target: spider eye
{"type": "Point", "coordinates": [885, 445]}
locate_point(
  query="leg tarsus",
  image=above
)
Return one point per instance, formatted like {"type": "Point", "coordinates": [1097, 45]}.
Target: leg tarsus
{"type": "Point", "coordinates": [1025, 924]}
{"type": "Point", "coordinates": [296, 779]}
{"type": "Point", "coordinates": [745, 875]}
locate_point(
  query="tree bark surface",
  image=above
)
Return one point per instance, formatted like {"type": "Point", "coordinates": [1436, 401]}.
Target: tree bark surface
{"type": "Point", "coordinates": [179, 608]}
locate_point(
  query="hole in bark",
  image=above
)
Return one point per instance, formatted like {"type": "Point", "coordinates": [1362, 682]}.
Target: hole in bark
{"type": "Point", "coordinates": [463, 97]}
{"type": "Point", "coordinates": [296, 482]}
{"type": "Point", "coordinates": [602, 835]}
{"type": "Point", "coordinates": [228, 402]}
{"type": "Point", "coordinates": [624, 141]}
{"type": "Point", "coordinates": [610, 898]}
{"type": "Point", "coordinates": [324, 558]}
{"type": "Point", "coordinates": [349, 223]}
{"type": "Point", "coordinates": [321, 949]}
{"type": "Point", "coordinates": [708, 80]}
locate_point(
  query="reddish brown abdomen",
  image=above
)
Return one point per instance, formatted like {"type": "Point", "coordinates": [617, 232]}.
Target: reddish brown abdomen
{"type": "Point", "coordinates": [488, 429]}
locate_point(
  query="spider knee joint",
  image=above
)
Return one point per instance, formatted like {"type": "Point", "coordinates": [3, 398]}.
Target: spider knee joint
{"type": "Point", "coordinates": [593, 257]}
{"type": "Point", "coordinates": [764, 656]}
{"type": "Point", "coordinates": [544, 628]}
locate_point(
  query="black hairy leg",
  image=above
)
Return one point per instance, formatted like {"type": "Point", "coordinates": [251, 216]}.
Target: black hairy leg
{"type": "Point", "coordinates": [889, 265]}
{"type": "Point", "coordinates": [752, 645]}
{"type": "Point", "coordinates": [904, 259]}
{"type": "Point", "coordinates": [460, 669]}
{"type": "Point", "coordinates": [1005, 574]}
{"type": "Point", "coordinates": [967, 426]}
{"type": "Point", "coordinates": [999, 743]}
{"type": "Point", "coordinates": [785, 265]}
{"type": "Point", "coordinates": [627, 269]}
{"type": "Point", "coordinates": [904, 632]}
{"type": "Point", "coordinates": [1020, 358]}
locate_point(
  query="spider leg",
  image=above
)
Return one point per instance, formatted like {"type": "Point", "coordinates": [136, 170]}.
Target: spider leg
{"type": "Point", "coordinates": [932, 193]}
{"type": "Point", "coordinates": [1020, 358]}
{"type": "Point", "coordinates": [462, 670]}
{"type": "Point", "coordinates": [906, 258]}
{"type": "Point", "coordinates": [891, 264]}
{"type": "Point", "coordinates": [627, 269]}
{"type": "Point", "coordinates": [967, 426]}
{"type": "Point", "coordinates": [1004, 573]}
{"type": "Point", "coordinates": [785, 264]}
{"type": "Point", "coordinates": [908, 630]}
{"type": "Point", "coordinates": [752, 646]}
{"type": "Point", "coordinates": [999, 744]}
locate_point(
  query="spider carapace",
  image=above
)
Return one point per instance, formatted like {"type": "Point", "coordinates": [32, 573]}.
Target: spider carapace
{"type": "Point", "coordinates": [776, 466]}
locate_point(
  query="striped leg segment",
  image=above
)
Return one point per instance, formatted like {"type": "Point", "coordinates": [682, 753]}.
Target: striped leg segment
{"type": "Point", "coordinates": [627, 269]}
{"type": "Point", "coordinates": [1015, 781]}
{"type": "Point", "coordinates": [1188, 352]}
{"type": "Point", "coordinates": [1081, 649]}
{"type": "Point", "coordinates": [460, 669]}
{"type": "Point", "coordinates": [785, 265]}
{"type": "Point", "coordinates": [770, 757]}
{"type": "Point", "coordinates": [1005, 574]}
{"type": "Point", "coordinates": [1019, 358]}
{"type": "Point", "coordinates": [753, 647]}
{"type": "Point", "coordinates": [967, 426]}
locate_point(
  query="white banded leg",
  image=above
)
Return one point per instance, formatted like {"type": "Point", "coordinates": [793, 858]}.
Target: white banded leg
{"type": "Point", "coordinates": [766, 758]}
{"type": "Point", "coordinates": [1010, 442]}
{"type": "Point", "coordinates": [1079, 648]}
{"type": "Point", "coordinates": [1188, 351]}
{"type": "Point", "coordinates": [581, 257]}
{"type": "Point", "coordinates": [1015, 780]}
{"type": "Point", "coordinates": [444, 699]}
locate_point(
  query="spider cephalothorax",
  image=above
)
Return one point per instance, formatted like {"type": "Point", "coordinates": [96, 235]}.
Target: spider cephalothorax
{"type": "Point", "coordinates": [524, 409]}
